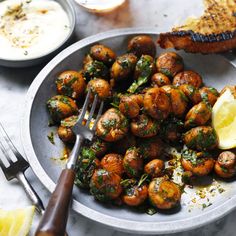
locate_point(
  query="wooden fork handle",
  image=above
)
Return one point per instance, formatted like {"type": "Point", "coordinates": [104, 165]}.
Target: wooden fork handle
{"type": "Point", "coordinates": [53, 222]}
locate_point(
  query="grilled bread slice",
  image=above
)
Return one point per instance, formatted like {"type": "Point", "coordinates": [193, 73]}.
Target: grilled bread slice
{"type": "Point", "coordinates": [214, 31]}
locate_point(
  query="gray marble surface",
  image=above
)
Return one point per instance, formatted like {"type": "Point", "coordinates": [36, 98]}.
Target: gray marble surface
{"type": "Point", "coordinates": [14, 83]}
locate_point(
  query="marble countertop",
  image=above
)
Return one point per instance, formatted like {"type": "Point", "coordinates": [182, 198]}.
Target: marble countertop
{"type": "Point", "coordinates": [14, 83]}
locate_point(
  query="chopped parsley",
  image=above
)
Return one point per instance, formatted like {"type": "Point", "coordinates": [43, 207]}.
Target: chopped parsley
{"type": "Point", "coordinates": [51, 138]}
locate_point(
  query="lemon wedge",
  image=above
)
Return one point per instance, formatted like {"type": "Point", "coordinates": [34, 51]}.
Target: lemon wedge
{"type": "Point", "coordinates": [224, 120]}
{"type": "Point", "coordinates": [16, 222]}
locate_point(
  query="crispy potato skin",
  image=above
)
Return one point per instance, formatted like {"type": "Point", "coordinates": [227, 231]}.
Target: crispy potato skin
{"type": "Point", "coordinates": [209, 95]}
{"type": "Point", "coordinates": [95, 69]}
{"type": "Point", "coordinates": [157, 103]}
{"type": "Point", "coordinates": [113, 162]}
{"type": "Point", "coordinates": [199, 165]}
{"type": "Point", "coordinates": [133, 163]}
{"type": "Point", "coordinates": [99, 147]}
{"type": "Point", "coordinates": [179, 102]}
{"type": "Point", "coordinates": [164, 194]}
{"type": "Point", "coordinates": [129, 107]}
{"type": "Point", "coordinates": [138, 98]}
{"type": "Point", "coordinates": [60, 107]}
{"type": "Point", "coordinates": [142, 45]}
{"type": "Point", "coordinates": [144, 126]}
{"type": "Point", "coordinates": [169, 63]}
{"type": "Point", "coordinates": [159, 80]}
{"type": "Point", "coordinates": [123, 67]}
{"type": "Point", "coordinates": [151, 148]}
{"type": "Point", "coordinates": [102, 53]}
{"type": "Point", "coordinates": [135, 195]}
{"type": "Point", "coordinates": [198, 115]}
{"type": "Point", "coordinates": [71, 83]}
{"type": "Point", "coordinates": [105, 185]}
{"type": "Point", "coordinates": [112, 126]}
{"type": "Point", "coordinates": [191, 93]}
{"type": "Point", "coordinates": [188, 77]}
{"type": "Point", "coordinates": [155, 168]}
{"type": "Point", "coordinates": [100, 87]}
{"type": "Point", "coordinates": [65, 132]}
{"type": "Point", "coordinates": [171, 130]}
{"type": "Point", "coordinates": [201, 138]}
{"type": "Point", "coordinates": [225, 165]}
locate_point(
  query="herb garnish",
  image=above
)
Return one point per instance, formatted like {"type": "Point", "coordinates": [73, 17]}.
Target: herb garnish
{"type": "Point", "coordinates": [51, 138]}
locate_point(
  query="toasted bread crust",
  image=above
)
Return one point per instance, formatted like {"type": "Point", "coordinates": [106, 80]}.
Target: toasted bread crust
{"type": "Point", "coordinates": [214, 31]}
{"type": "Point", "coordinates": [185, 42]}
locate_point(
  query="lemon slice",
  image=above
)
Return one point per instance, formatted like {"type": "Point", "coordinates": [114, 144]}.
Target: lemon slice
{"type": "Point", "coordinates": [16, 222]}
{"type": "Point", "coordinates": [224, 120]}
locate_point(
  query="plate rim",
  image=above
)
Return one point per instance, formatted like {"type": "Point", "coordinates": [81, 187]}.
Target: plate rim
{"type": "Point", "coordinates": [107, 220]}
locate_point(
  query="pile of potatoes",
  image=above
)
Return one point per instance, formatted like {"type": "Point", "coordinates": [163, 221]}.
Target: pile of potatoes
{"type": "Point", "coordinates": [150, 103]}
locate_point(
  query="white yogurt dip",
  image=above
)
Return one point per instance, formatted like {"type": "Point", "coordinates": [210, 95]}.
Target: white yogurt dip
{"type": "Point", "coordinates": [31, 28]}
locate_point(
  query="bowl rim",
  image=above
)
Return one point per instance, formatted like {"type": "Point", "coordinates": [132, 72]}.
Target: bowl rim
{"type": "Point", "coordinates": [117, 223]}
{"type": "Point", "coordinates": [72, 29]}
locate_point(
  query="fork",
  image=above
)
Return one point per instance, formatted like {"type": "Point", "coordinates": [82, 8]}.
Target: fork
{"type": "Point", "coordinates": [53, 222]}
{"type": "Point", "coordinates": [17, 168]}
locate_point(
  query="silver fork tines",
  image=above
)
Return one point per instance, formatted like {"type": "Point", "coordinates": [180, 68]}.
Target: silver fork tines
{"type": "Point", "coordinates": [84, 132]}
{"type": "Point", "coordinates": [16, 169]}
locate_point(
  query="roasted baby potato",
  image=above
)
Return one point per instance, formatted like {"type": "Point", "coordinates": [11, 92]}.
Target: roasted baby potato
{"type": "Point", "coordinates": [65, 132]}
{"type": "Point", "coordinates": [112, 125]}
{"type": "Point", "coordinates": [201, 138]}
{"type": "Point", "coordinates": [142, 45]}
{"type": "Point", "coordinates": [171, 130]}
{"type": "Point", "coordinates": [113, 162]}
{"type": "Point", "coordinates": [99, 147]}
{"type": "Point", "coordinates": [105, 185]}
{"type": "Point", "coordinates": [133, 163]}
{"type": "Point", "coordinates": [198, 163]}
{"type": "Point", "coordinates": [100, 87]}
{"type": "Point", "coordinates": [169, 64]}
{"type": "Point", "coordinates": [129, 107]}
{"type": "Point", "coordinates": [179, 102]}
{"type": "Point", "coordinates": [138, 98]}
{"type": "Point", "coordinates": [123, 67]}
{"type": "Point", "coordinates": [60, 107]}
{"type": "Point", "coordinates": [102, 53]}
{"type": "Point", "coordinates": [191, 93]}
{"type": "Point", "coordinates": [163, 193]}
{"type": "Point", "coordinates": [135, 195]}
{"type": "Point", "coordinates": [188, 77]}
{"type": "Point", "coordinates": [225, 165]}
{"type": "Point", "coordinates": [95, 69]}
{"type": "Point", "coordinates": [157, 103]}
{"type": "Point", "coordinates": [155, 168]}
{"type": "Point", "coordinates": [144, 126]}
{"type": "Point", "coordinates": [151, 148]}
{"type": "Point", "coordinates": [71, 83]}
{"type": "Point", "coordinates": [159, 80]}
{"type": "Point", "coordinates": [198, 115]}
{"type": "Point", "coordinates": [209, 95]}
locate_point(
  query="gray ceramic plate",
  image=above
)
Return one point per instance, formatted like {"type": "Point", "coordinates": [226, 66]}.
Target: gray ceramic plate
{"type": "Point", "coordinates": [216, 71]}
{"type": "Point", "coordinates": [67, 6]}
